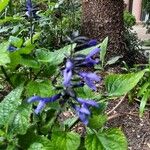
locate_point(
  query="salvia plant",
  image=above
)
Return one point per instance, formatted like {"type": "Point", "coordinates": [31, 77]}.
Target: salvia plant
{"type": "Point", "coordinates": [56, 101]}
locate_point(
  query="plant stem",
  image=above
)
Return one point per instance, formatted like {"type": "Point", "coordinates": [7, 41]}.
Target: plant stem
{"type": "Point", "coordinates": [119, 103]}
{"type": "Point", "coordinates": [55, 119]}
{"type": "Point", "coordinates": [31, 37]}
{"type": "Point", "coordinates": [11, 8]}
{"type": "Point", "coordinates": [6, 76]}
{"type": "Point", "coordinates": [31, 31]}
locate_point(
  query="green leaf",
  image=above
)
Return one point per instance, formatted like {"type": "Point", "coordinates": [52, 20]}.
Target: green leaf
{"type": "Point", "coordinates": [112, 139]}
{"type": "Point", "coordinates": [3, 4]}
{"type": "Point", "coordinates": [103, 50]}
{"type": "Point", "coordinates": [70, 121]}
{"type": "Point", "coordinates": [143, 89]}
{"type": "Point", "coordinates": [41, 88]}
{"type": "Point", "coordinates": [29, 62]}
{"type": "Point", "coordinates": [25, 60]}
{"type": "Point", "coordinates": [54, 58]}
{"type": "Point", "coordinates": [87, 50]}
{"type": "Point", "coordinates": [44, 56]}
{"type": "Point", "coordinates": [97, 121]}
{"type": "Point", "coordinates": [10, 19]}
{"type": "Point", "coordinates": [143, 102]}
{"type": "Point", "coordinates": [30, 138]}
{"type": "Point", "coordinates": [15, 41]}
{"type": "Point", "coordinates": [65, 141]}
{"type": "Point", "coordinates": [11, 147]}
{"type": "Point", "coordinates": [113, 60]}
{"type": "Point", "coordinates": [34, 38]}
{"type": "Point", "coordinates": [10, 104]}
{"type": "Point", "coordinates": [86, 92]}
{"type": "Point", "coordinates": [37, 146]}
{"type": "Point", "coordinates": [18, 78]}
{"type": "Point", "coordinates": [4, 54]}
{"type": "Point", "coordinates": [26, 50]}
{"type": "Point", "coordinates": [15, 58]}
{"type": "Point", "coordinates": [4, 30]}
{"type": "Point", "coordinates": [20, 120]}
{"type": "Point", "coordinates": [120, 84]}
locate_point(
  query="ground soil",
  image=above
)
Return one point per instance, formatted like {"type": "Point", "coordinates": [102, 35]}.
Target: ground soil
{"type": "Point", "coordinates": [137, 130]}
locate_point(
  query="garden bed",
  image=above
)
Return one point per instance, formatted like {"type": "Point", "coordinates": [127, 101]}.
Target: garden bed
{"type": "Point", "coordinates": [137, 130]}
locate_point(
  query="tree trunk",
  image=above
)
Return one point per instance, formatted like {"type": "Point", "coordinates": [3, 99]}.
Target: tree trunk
{"type": "Point", "coordinates": [102, 18]}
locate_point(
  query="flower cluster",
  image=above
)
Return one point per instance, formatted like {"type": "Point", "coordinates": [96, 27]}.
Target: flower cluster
{"type": "Point", "coordinates": [11, 48]}
{"type": "Point", "coordinates": [73, 69]}
{"type": "Point", "coordinates": [43, 101]}
{"type": "Point", "coordinates": [83, 43]}
{"type": "Point", "coordinates": [31, 10]}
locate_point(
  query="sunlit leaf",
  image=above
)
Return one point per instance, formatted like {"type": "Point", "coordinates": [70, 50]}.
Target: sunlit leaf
{"type": "Point", "coordinates": [4, 54]}
{"type": "Point", "coordinates": [143, 102]}
{"type": "Point", "coordinates": [120, 84]}
{"type": "Point", "coordinates": [9, 105]}
{"type": "Point", "coordinates": [65, 141]}
{"type": "Point", "coordinates": [20, 120]}
{"type": "Point", "coordinates": [111, 139]}
{"type": "Point", "coordinates": [103, 47]}
{"type": "Point", "coordinates": [3, 4]}
{"type": "Point", "coordinates": [43, 88]}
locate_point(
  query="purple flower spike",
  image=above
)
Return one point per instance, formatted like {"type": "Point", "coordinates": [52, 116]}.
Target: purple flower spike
{"type": "Point", "coordinates": [40, 106]}
{"type": "Point", "coordinates": [82, 115]}
{"type": "Point", "coordinates": [93, 52]}
{"type": "Point", "coordinates": [11, 48]}
{"type": "Point", "coordinates": [30, 10]}
{"type": "Point", "coordinates": [79, 84]}
{"type": "Point", "coordinates": [84, 109]}
{"type": "Point", "coordinates": [67, 73]}
{"type": "Point", "coordinates": [34, 99]}
{"type": "Point", "coordinates": [29, 5]}
{"type": "Point", "coordinates": [89, 79]}
{"type": "Point", "coordinates": [88, 102]}
{"type": "Point", "coordinates": [53, 98]}
{"type": "Point", "coordinates": [43, 101]}
{"type": "Point", "coordinates": [92, 42]}
{"type": "Point", "coordinates": [84, 118]}
{"type": "Point", "coordinates": [89, 61]}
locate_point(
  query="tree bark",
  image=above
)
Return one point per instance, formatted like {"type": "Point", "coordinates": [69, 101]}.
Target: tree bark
{"type": "Point", "coordinates": [102, 18]}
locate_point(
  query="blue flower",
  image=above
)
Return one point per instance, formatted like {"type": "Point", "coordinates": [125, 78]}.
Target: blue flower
{"type": "Point", "coordinates": [83, 111]}
{"type": "Point", "coordinates": [11, 48]}
{"type": "Point", "coordinates": [89, 79]}
{"type": "Point", "coordinates": [67, 73]}
{"type": "Point", "coordinates": [87, 102]}
{"type": "Point", "coordinates": [92, 42]}
{"type": "Point", "coordinates": [89, 61]}
{"type": "Point", "coordinates": [30, 10]}
{"type": "Point", "coordinates": [78, 84]}
{"type": "Point", "coordinates": [83, 43]}
{"type": "Point", "coordinates": [93, 52]}
{"type": "Point", "coordinates": [43, 101]}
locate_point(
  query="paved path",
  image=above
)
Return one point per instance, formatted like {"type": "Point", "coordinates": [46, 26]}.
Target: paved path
{"type": "Point", "coordinates": [141, 31]}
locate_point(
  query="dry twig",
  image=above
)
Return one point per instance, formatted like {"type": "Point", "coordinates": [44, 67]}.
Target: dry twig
{"type": "Point", "coordinates": [120, 101]}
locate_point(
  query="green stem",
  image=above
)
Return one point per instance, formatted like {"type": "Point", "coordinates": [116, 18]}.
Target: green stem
{"type": "Point", "coordinates": [6, 76]}
{"type": "Point", "coordinates": [11, 8]}
{"type": "Point", "coordinates": [31, 31]}
{"type": "Point", "coordinates": [55, 119]}
{"type": "Point", "coordinates": [31, 37]}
